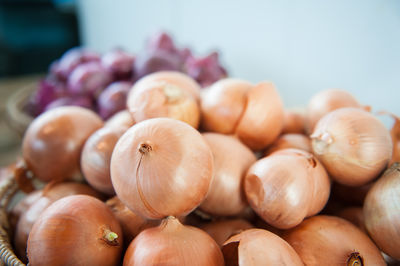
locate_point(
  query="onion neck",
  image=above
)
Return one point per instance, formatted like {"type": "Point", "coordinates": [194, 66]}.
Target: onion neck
{"type": "Point", "coordinates": [355, 259]}
{"type": "Point", "coordinates": [110, 237]}
{"type": "Point", "coordinates": [321, 142]}
{"type": "Point", "coordinates": [145, 148]}
{"type": "Point", "coordinates": [170, 223]}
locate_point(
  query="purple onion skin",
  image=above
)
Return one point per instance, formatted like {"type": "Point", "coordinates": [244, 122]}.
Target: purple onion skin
{"type": "Point", "coordinates": [88, 78]}
{"type": "Point", "coordinates": [158, 60]}
{"type": "Point", "coordinates": [82, 101]}
{"type": "Point", "coordinates": [119, 63]}
{"type": "Point", "coordinates": [161, 41]}
{"type": "Point", "coordinates": [113, 99]}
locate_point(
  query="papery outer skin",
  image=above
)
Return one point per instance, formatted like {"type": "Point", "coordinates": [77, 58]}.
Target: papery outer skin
{"type": "Point", "coordinates": [172, 243]}
{"type": "Point", "coordinates": [329, 240]}
{"type": "Point", "coordinates": [120, 119]}
{"type": "Point", "coordinates": [353, 145]}
{"type": "Point", "coordinates": [48, 153]}
{"type": "Point", "coordinates": [294, 121]}
{"type": "Point", "coordinates": [261, 247]}
{"type": "Point", "coordinates": [174, 177]}
{"type": "Point", "coordinates": [290, 140]}
{"type": "Point", "coordinates": [382, 212]}
{"type": "Point", "coordinates": [231, 162]}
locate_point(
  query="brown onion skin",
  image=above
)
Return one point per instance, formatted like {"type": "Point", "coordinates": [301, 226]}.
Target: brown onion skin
{"type": "Point", "coordinates": [120, 119]}
{"type": "Point", "coordinates": [51, 193]}
{"type": "Point", "coordinates": [326, 101]}
{"type": "Point", "coordinates": [72, 232]}
{"type": "Point", "coordinates": [96, 158]}
{"type": "Point", "coordinates": [221, 230]}
{"type": "Point", "coordinates": [259, 247]}
{"type": "Point", "coordinates": [161, 147]}
{"type": "Point", "coordinates": [286, 187]}
{"type": "Point", "coordinates": [231, 161]}
{"type": "Point", "coordinates": [353, 145]}
{"type": "Point", "coordinates": [131, 223]}
{"type": "Point", "coordinates": [330, 240]}
{"type": "Point", "coordinates": [172, 243]}
{"type": "Point", "coordinates": [381, 211]}
{"type": "Point", "coordinates": [355, 216]}
{"type": "Point", "coordinates": [294, 121]}
{"type": "Point", "coordinates": [53, 142]}
{"type": "Point", "coordinates": [288, 141]}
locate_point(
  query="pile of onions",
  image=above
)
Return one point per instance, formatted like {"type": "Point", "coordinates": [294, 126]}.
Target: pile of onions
{"type": "Point", "coordinates": [382, 210]}
{"type": "Point", "coordinates": [172, 243]}
{"type": "Point", "coordinates": [353, 145]}
{"type": "Point", "coordinates": [286, 187]}
{"type": "Point", "coordinates": [252, 112]}
{"type": "Point", "coordinates": [259, 247]}
{"type": "Point", "coordinates": [231, 161]}
{"type": "Point", "coordinates": [221, 230]}
{"type": "Point", "coordinates": [161, 167]}
{"type": "Point", "coordinates": [329, 240]}
{"type": "Point", "coordinates": [76, 230]}
{"type": "Point", "coordinates": [53, 142]}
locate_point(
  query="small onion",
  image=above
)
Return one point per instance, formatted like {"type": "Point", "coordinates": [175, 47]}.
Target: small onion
{"type": "Point", "coordinates": [96, 158]}
{"type": "Point", "coordinates": [382, 211]}
{"type": "Point", "coordinates": [75, 230]}
{"type": "Point", "coordinates": [53, 142]}
{"type": "Point", "coordinates": [329, 240]}
{"type": "Point", "coordinates": [231, 161]}
{"type": "Point", "coordinates": [221, 230]}
{"type": "Point", "coordinates": [259, 247]}
{"type": "Point", "coordinates": [294, 121]}
{"type": "Point", "coordinates": [172, 243]}
{"type": "Point", "coordinates": [120, 119]}
{"type": "Point", "coordinates": [353, 145]}
{"type": "Point", "coordinates": [119, 63]}
{"type": "Point", "coordinates": [286, 187]}
{"type": "Point", "coordinates": [113, 98]}
{"type": "Point", "coordinates": [253, 113]}
{"type": "Point", "coordinates": [326, 101]}
{"type": "Point", "coordinates": [288, 141]}
{"type": "Point", "coordinates": [161, 167]}
{"type": "Point", "coordinates": [131, 223]}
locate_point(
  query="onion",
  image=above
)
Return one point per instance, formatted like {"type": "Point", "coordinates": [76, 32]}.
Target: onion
{"type": "Point", "coordinates": [294, 121]}
{"type": "Point", "coordinates": [172, 243]}
{"type": "Point", "coordinates": [221, 230]}
{"type": "Point", "coordinates": [354, 215]}
{"type": "Point", "coordinates": [290, 140]}
{"type": "Point", "coordinates": [329, 240]}
{"type": "Point", "coordinates": [43, 199]}
{"type": "Point", "coordinates": [75, 230]}
{"type": "Point", "coordinates": [253, 113]}
{"type": "Point", "coordinates": [382, 210]}
{"type": "Point", "coordinates": [96, 158]}
{"type": "Point", "coordinates": [259, 247]}
{"type": "Point", "coordinates": [131, 223]}
{"type": "Point", "coordinates": [81, 100]}
{"type": "Point", "coordinates": [52, 143]}
{"type": "Point", "coordinates": [119, 63]}
{"type": "Point", "coordinates": [353, 145]}
{"type": "Point", "coordinates": [286, 187]}
{"type": "Point", "coordinates": [326, 101]}
{"type": "Point", "coordinates": [163, 98]}
{"type": "Point", "coordinates": [154, 61]}
{"type": "Point", "coordinates": [113, 98]}
{"type": "Point", "coordinates": [161, 167]}
{"type": "Point", "coordinates": [120, 119]}
{"type": "Point", "coordinates": [161, 41]}
{"type": "Point", "coordinates": [231, 161]}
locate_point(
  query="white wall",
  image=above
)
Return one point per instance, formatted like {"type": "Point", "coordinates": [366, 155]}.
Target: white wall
{"type": "Point", "coordinates": [302, 46]}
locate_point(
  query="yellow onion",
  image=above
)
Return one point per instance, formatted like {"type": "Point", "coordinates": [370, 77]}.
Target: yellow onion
{"type": "Point", "coordinates": [120, 119]}
{"type": "Point", "coordinates": [382, 211]}
{"type": "Point", "coordinates": [131, 223]}
{"type": "Point", "coordinates": [252, 112]}
{"type": "Point", "coordinates": [96, 158]}
{"type": "Point", "coordinates": [53, 142]}
{"type": "Point", "coordinates": [330, 240]}
{"type": "Point", "coordinates": [221, 230]}
{"type": "Point", "coordinates": [286, 187]}
{"type": "Point", "coordinates": [353, 145]}
{"type": "Point", "coordinates": [259, 247]}
{"type": "Point", "coordinates": [288, 141]}
{"type": "Point", "coordinates": [326, 101]}
{"type": "Point", "coordinates": [294, 121]}
{"type": "Point", "coordinates": [161, 97]}
{"type": "Point", "coordinates": [76, 230]}
{"type": "Point", "coordinates": [161, 167]}
{"type": "Point", "coordinates": [231, 161]}
{"type": "Point", "coordinates": [172, 243]}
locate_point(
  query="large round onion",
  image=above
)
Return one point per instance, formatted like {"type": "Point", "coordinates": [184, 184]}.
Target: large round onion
{"type": "Point", "coordinates": [353, 145]}
{"type": "Point", "coordinates": [53, 142]}
{"type": "Point", "coordinates": [329, 240]}
{"type": "Point", "coordinates": [76, 230]}
{"type": "Point", "coordinates": [172, 243]}
{"type": "Point", "coordinates": [161, 167]}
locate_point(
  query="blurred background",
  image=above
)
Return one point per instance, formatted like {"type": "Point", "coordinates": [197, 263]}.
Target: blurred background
{"type": "Point", "coordinates": [302, 46]}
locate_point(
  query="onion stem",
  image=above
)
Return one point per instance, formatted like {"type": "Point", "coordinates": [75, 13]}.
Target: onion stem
{"type": "Point", "coordinates": [110, 237]}
{"type": "Point", "coordinates": [355, 259]}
